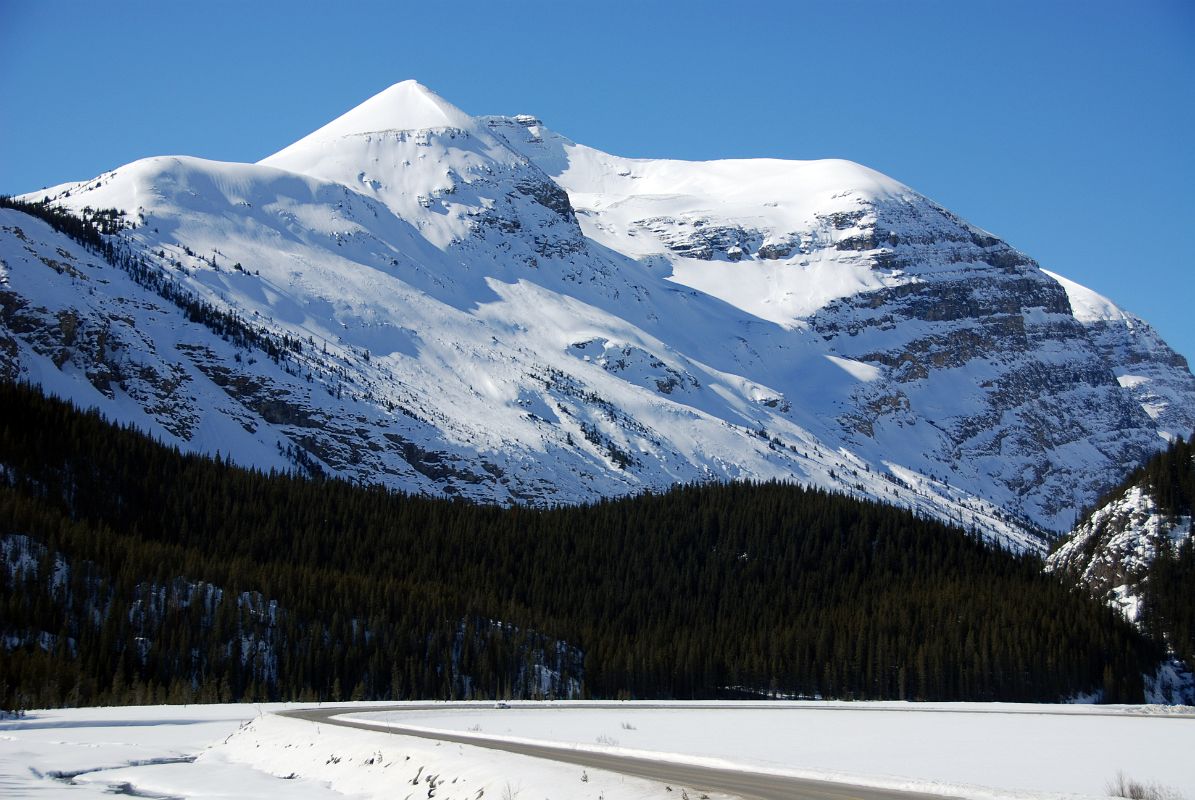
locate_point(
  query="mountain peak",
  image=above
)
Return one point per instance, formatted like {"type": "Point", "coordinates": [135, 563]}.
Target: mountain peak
{"type": "Point", "coordinates": [407, 105]}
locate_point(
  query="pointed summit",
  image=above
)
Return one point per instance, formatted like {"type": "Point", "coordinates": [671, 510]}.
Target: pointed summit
{"type": "Point", "coordinates": [407, 105]}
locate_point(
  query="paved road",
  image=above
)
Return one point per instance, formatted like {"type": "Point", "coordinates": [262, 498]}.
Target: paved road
{"type": "Point", "coordinates": [703, 779]}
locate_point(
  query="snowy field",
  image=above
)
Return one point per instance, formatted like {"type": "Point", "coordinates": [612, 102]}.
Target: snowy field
{"type": "Point", "coordinates": [964, 750]}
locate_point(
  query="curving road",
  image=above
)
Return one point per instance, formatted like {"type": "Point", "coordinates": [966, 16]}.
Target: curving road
{"type": "Point", "coordinates": [754, 786]}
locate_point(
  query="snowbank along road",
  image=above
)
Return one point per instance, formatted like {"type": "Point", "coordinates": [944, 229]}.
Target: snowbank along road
{"type": "Point", "coordinates": [741, 783]}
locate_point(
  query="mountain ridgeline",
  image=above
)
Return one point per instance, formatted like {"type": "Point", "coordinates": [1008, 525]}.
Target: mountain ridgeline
{"type": "Point", "coordinates": [133, 572]}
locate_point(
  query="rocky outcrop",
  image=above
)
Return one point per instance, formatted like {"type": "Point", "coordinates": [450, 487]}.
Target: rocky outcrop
{"type": "Point", "coordinates": [701, 239]}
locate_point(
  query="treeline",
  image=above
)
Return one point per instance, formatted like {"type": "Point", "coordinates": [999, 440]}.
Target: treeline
{"type": "Point", "coordinates": [703, 591]}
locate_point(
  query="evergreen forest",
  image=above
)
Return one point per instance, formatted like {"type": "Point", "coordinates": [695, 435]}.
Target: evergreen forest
{"type": "Point", "coordinates": [131, 572]}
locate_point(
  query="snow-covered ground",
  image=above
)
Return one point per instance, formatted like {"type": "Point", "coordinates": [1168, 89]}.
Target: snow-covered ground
{"type": "Point", "coordinates": [244, 751]}
{"type": "Point", "coordinates": [965, 750]}
{"type": "Point", "coordinates": [90, 752]}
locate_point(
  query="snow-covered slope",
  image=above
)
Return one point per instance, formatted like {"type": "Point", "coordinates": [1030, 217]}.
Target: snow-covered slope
{"type": "Point", "coordinates": [778, 222]}
{"type": "Point", "coordinates": [480, 307]}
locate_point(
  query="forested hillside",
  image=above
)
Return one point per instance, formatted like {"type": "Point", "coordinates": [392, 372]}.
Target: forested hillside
{"type": "Point", "coordinates": [134, 572]}
{"type": "Point", "coordinates": [1136, 549]}
{"type": "Point", "coordinates": [1168, 607]}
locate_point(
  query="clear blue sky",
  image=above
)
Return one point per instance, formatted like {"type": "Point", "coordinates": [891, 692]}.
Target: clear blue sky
{"type": "Point", "coordinates": [1067, 128]}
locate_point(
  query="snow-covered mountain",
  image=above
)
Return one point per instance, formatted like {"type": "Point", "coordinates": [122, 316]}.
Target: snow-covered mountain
{"type": "Point", "coordinates": [480, 307]}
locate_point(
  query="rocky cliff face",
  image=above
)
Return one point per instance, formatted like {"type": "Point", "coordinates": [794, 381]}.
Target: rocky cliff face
{"type": "Point", "coordinates": [482, 308]}
{"type": "Point", "coordinates": [983, 345]}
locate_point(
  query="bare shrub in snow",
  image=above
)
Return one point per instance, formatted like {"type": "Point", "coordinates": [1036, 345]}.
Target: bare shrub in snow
{"type": "Point", "coordinates": [1124, 786]}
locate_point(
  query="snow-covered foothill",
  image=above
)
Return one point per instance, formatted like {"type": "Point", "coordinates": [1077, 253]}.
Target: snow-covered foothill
{"type": "Point", "coordinates": [1113, 546]}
